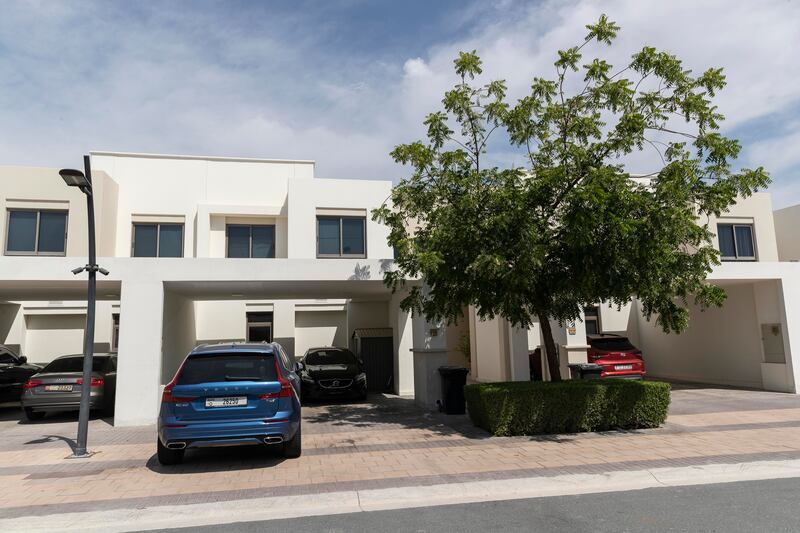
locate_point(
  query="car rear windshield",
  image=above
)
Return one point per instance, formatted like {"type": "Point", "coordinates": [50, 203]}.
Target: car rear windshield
{"type": "Point", "coordinates": [75, 364]}
{"type": "Point", "coordinates": [331, 357]}
{"type": "Point", "coordinates": [234, 366]}
{"type": "Point", "coordinates": [613, 345]}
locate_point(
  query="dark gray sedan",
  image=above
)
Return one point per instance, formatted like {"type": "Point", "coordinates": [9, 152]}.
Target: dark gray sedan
{"type": "Point", "coordinates": [58, 386]}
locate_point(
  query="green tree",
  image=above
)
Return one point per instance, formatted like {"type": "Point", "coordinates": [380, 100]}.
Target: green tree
{"type": "Point", "coordinates": [571, 227]}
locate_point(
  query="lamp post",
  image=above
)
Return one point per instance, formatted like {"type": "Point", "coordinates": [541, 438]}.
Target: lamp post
{"type": "Point", "coordinates": [76, 178]}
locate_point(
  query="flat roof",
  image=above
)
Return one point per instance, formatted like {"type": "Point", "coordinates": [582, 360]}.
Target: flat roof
{"type": "Point", "coordinates": [201, 157]}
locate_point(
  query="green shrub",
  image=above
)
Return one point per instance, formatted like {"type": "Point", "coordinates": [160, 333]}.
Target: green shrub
{"type": "Point", "coordinates": [533, 408]}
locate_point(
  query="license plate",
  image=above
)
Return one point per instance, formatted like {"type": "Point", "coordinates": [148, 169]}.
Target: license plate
{"type": "Point", "coordinates": [623, 367]}
{"type": "Point", "coordinates": [230, 401]}
{"type": "Point", "coordinates": [58, 388]}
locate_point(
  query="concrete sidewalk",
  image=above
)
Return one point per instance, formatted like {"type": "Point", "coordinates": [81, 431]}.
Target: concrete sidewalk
{"type": "Point", "coordinates": [385, 450]}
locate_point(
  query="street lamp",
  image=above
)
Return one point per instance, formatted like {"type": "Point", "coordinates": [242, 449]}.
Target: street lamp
{"type": "Point", "coordinates": [76, 178]}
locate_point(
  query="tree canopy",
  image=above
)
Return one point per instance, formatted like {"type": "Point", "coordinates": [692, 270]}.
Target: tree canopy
{"type": "Point", "coordinates": [572, 226]}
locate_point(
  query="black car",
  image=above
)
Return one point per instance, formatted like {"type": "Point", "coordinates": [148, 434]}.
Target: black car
{"type": "Point", "coordinates": [332, 372]}
{"type": "Point", "coordinates": [14, 371]}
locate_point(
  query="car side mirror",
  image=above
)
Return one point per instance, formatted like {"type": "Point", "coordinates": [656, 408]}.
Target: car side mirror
{"type": "Point", "coordinates": [298, 366]}
{"type": "Point", "coordinates": [23, 359]}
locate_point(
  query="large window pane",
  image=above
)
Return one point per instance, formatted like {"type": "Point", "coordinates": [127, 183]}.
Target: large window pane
{"type": "Point", "coordinates": [238, 241]}
{"type": "Point", "coordinates": [726, 243]}
{"type": "Point", "coordinates": [353, 236]}
{"type": "Point", "coordinates": [328, 232]}
{"type": "Point", "coordinates": [52, 231]}
{"type": "Point", "coordinates": [744, 241]}
{"type": "Point", "coordinates": [145, 240]}
{"type": "Point", "coordinates": [170, 242]}
{"type": "Point", "coordinates": [263, 241]}
{"type": "Point", "coordinates": [21, 231]}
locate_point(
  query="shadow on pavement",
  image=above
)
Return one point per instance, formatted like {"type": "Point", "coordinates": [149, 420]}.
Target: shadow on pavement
{"type": "Point", "coordinates": [225, 459]}
{"type": "Point", "coordinates": [386, 410]}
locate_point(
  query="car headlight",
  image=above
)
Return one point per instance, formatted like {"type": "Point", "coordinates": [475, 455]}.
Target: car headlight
{"type": "Point", "coordinates": [361, 377]}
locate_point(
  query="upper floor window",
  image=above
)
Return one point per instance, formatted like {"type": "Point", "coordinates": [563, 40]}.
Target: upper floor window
{"type": "Point", "coordinates": [341, 236]}
{"type": "Point", "coordinates": [250, 241]}
{"type": "Point", "coordinates": [157, 240]}
{"type": "Point", "coordinates": [591, 318]}
{"type": "Point", "coordinates": [736, 242]}
{"type": "Point", "coordinates": [36, 232]}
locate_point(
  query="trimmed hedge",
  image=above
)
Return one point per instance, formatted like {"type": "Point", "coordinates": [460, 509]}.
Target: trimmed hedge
{"type": "Point", "coordinates": [534, 408]}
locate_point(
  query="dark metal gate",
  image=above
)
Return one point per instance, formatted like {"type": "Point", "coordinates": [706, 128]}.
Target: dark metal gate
{"type": "Point", "coordinates": [375, 346]}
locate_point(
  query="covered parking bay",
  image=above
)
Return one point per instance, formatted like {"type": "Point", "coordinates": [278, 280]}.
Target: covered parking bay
{"type": "Point", "coordinates": [163, 305]}
{"type": "Point", "coordinates": [749, 342]}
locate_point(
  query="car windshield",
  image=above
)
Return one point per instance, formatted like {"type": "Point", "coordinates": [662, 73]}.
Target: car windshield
{"type": "Point", "coordinates": [234, 366]}
{"type": "Point", "coordinates": [74, 364]}
{"type": "Point", "coordinates": [331, 357]}
{"type": "Point", "coordinates": [620, 344]}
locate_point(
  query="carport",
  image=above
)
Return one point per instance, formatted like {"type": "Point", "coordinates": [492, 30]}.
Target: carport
{"type": "Point", "coordinates": [748, 342]}
{"type": "Point", "coordinates": [161, 306]}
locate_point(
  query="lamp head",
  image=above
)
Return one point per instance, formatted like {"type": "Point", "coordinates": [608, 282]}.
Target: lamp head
{"type": "Point", "coordinates": [75, 178]}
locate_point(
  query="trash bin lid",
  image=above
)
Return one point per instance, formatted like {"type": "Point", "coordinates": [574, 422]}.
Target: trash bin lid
{"type": "Point", "coordinates": [450, 370]}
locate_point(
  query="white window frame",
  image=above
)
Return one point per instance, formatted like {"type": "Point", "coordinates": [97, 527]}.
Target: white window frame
{"type": "Point", "coordinates": [36, 251]}
{"type": "Point", "coordinates": [738, 257]}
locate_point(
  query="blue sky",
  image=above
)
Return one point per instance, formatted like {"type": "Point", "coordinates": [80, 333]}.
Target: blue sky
{"type": "Point", "coordinates": [342, 82]}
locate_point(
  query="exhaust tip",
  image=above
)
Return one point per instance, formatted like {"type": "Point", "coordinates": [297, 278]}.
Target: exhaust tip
{"type": "Point", "coordinates": [273, 439]}
{"type": "Point", "coordinates": [176, 445]}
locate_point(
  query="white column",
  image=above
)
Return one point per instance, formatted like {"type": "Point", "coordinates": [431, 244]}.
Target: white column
{"type": "Point", "coordinates": [790, 317]}
{"type": "Point", "coordinates": [283, 325]}
{"type": "Point", "coordinates": [518, 353]}
{"type": "Point", "coordinates": [403, 344]}
{"type": "Point", "coordinates": [139, 364]}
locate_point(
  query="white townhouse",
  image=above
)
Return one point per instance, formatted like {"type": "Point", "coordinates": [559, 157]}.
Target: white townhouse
{"type": "Point", "coordinates": [215, 249]}
{"type": "Point", "coordinates": [200, 250]}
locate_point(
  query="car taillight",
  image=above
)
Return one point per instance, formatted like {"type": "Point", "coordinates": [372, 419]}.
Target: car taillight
{"type": "Point", "coordinates": [96, 382]}
{"type": "Point", "coordinates": [167, 397]}
{"type": "Point", "coordinates": [31, 384]}
{"type": "Point", "coordinates": [285, 392]}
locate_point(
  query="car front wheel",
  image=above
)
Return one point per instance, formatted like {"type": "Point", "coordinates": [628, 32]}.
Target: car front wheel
{"type": "Point", "coordinates": [32, 415]}
{"type": "Point", "coordinates": [294, 447]}
{"type": "Point", "coordinates": [168, 457]}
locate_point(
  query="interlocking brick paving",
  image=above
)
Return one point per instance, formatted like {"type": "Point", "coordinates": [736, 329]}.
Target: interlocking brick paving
{"type": "Point", "coordinates": [387, 442]}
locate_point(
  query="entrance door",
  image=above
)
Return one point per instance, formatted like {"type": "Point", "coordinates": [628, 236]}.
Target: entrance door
{"type": "Point", "coordinates": [259, 327]}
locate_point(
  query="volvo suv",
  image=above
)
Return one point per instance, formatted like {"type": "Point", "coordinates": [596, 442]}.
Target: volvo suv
{"type": "Point", "coordinates": [229, 395]}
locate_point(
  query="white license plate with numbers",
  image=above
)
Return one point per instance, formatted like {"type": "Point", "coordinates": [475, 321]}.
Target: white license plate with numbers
{"type": "Point", "coordinates": [228, 401]}
{"type": "Point", "coordinates": [58, 388]}
{"type": "Point", "coordinates": [623, 367]}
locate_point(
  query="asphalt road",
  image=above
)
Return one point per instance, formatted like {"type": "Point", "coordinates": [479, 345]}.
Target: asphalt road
{"type": "Point", "coordinates": [750, 506]}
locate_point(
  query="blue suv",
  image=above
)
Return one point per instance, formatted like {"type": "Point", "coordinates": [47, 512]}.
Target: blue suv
{"type": "Point", "coordinates": [228, 395]}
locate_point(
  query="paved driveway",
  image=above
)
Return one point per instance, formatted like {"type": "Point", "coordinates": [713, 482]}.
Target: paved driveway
{"type": "Point", "coordinates": [386, 442]}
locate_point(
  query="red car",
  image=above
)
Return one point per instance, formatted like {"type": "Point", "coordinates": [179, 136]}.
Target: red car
{"type": "Point", "coordinates": [618, 357]}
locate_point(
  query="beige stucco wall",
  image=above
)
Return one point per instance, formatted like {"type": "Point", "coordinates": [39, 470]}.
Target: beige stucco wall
{"type": "Point", "coordinates": [787, 232]}
{"type": "Point", "coordinates": [319, 328]}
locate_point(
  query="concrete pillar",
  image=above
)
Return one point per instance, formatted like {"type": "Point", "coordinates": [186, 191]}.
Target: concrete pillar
{"type": "Point", "coordinates": [403, 326]}
{"type": "Point", "coordinates": [283, 325]}
{"type": "Point", "coordinates": [518, 354]}
{"type": "Point", "coordinates": [430, 352]}
{"type": "Point", "coordinates": [139, 364]}
{"type": "Point", "coordinates": [789, 305]}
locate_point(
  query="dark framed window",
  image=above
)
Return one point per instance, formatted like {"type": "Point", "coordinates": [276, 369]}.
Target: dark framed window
{"type": "Point", "coordinates": [114, 332]}
{"type": "Point", "coordinates": [591, 318]}
{"type": "Point", "coordinates": [250, 241]}
{"type": "Point", "coordinates": [736, 242]}
{"type": "Point", "coordinates": [36, 232]}
{"type": "Point", "coordinates": [341, 236]}
{"type": "Point", "coordinates": [157, 240]}
{"type": "Point", "coordinates": [259, 327]}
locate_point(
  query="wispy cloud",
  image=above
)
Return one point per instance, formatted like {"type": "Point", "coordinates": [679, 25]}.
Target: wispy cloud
{"type": "Point", "coordinates": [343, 82]}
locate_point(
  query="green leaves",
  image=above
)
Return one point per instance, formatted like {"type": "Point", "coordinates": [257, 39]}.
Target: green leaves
{"type": "Point", "coordinates": [573, 226]}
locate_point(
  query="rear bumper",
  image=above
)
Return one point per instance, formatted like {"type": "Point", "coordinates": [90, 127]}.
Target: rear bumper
{"type": "Point", "coordinates": [623, 375]}
{"type": "Point", "coordinates": [221, 433]}
{"type": "Point", "coordinates": [60, 402]}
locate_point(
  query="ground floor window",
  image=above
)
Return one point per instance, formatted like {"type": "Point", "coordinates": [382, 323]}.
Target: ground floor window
{"type": "Point", "coordinates": [259, 327]}
{"type": "Point", "coordinates": [114, 332]}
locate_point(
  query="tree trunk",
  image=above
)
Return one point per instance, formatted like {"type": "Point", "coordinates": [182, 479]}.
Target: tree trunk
{"type": "Point", "coordinates": [550, 348]}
